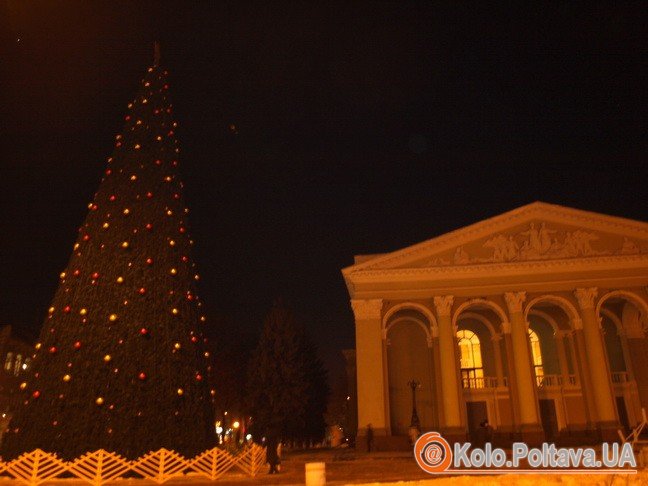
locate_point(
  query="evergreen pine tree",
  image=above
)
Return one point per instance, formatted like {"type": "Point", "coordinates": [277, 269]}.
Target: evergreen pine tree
{"type": "Point", "coordinates": [120, 363]}
{"type": "Point", "coordinates": [318, 393]}
{"type": "Point", "coordinates": [277, 384]}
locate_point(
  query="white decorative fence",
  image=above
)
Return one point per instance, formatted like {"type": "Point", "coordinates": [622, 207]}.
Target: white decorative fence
{"type": "Point", "coordinates": [99, 467]}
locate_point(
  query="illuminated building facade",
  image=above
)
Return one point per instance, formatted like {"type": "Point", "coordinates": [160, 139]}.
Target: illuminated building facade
{"type": "Point", "coordinates": [534, 320]}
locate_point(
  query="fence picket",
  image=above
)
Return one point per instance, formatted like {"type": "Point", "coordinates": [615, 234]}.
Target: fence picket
{"type": "Point", "coordinates": [160, 466]}
{"type": "Point", "coordinates": [212, 463]}
{"type": "Point", "coordinates": [251, 460]}
{"type": "Point", "coordinates": [98, 467]}
{"type": "Point", "coordinates": [36, 467]}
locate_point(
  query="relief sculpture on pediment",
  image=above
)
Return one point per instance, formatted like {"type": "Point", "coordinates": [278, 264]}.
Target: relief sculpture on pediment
{"type": "Point", "coordinates": [542, 243]}
{"type": "Point", "coordinates": [537, 242]}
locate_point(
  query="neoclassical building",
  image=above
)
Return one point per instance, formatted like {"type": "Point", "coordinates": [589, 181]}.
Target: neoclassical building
{"type": "Point", "coordinates": [535, 320]}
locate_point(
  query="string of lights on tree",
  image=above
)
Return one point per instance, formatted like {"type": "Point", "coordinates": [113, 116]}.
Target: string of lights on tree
{"type": "Point", "coordinates": [121, 362]}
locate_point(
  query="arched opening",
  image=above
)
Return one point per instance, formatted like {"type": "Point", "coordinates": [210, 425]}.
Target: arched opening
{"type": "Point", "coordinates": [553, 358]}
{"type": "Point", "coordinates": [470, 359]}
{"type": "Point", "coordinates": [623, 316]}
{"type": "Point", "coordinates": [409, 359]}
{"type": "Point", "coordinates": [613, 345]}
{"type": "Point", "coordinates": [480, 361]}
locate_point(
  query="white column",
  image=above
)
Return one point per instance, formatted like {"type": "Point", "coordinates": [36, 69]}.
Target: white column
{"type": "Point", "coordinates": [449, 372]}
{"type": "Point", "coordinates": [372, 397]}
{"type": "Point", "coordinates": [596, 358]}
{"type": "Point", "coordinates": [525, 380]}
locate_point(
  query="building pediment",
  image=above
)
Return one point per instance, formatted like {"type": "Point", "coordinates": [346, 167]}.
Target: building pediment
{"type": "Point", "coordinates": [537, 232]}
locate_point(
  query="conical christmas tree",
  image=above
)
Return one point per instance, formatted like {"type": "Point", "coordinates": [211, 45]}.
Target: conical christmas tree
{"type": "Point", "coordinates": [121, 363]}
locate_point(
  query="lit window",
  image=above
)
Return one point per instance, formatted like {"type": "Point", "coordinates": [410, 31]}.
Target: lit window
{"type": "Point", "coordinates": [8, 362]}
{"type": "Point", "coordinates": [472, 371]}
{"type": "Point", "coordinates": [536, 353]}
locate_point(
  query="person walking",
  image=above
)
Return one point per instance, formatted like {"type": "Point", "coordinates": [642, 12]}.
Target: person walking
{"type": "Point", "coordinates": [370, 437]}
{"type": "Point", "coordinates": [272, 458]}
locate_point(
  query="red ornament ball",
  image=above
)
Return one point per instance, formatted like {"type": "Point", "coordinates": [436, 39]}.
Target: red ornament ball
{"type": "Point", "coordinates": [142, 376]}
{"type": "Point", "coordinates": [149, 226]}
{"type": "Point", "coordinates": [112, 198]}
{"type": "Point", "coordinates": [76, 273]}
{"type": "Point", "coordinates": [77, 345]}
{"type": "Point", "coordinates": [142, 291]}
{"type": "Point", "coordinates": [199, 377]}
{"type": "Point", "coordinates": [67, 309]}
{"type": "Point", "coordinates": [36, 394]}
{"type": "Point", "coordinates": [149, 195]}
{"type": "Point", "coordinates": [144, 331]}
{"type": "Point", "coordinates": [95, 275]}
{"type": "Point", "coordinates": [52, 349]}
{"type": "Point", "coordinates": [149, 261]}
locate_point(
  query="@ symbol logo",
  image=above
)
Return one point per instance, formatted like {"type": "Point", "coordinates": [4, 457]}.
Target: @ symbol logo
{"type": "Point", "coordinates": [433, 453]}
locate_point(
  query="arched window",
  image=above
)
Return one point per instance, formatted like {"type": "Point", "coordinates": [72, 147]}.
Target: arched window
{"type": "Point", "coordinates": [536, 353]}
{"type": "Point", "coordinates": [472, 371]}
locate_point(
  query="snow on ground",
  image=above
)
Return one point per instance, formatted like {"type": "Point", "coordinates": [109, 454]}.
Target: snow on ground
{"type": "Point", "coordinates": [348, 467]}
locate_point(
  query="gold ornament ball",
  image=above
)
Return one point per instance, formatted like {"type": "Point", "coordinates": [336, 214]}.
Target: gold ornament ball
{"type": "Point", "coordinates": [174, 311]}
{"type": "Point", "coordinates": [176, 345]}
{"type": "Point", "coordinates": [180, 391]}
{"type": "Point", "coordinates": [83, 311]}
{"type": "Point", "coordinates": [66, 378]}
{"type": "Point", "coordinates": [124, 244]}
{"type": "Point", "coordinates": [99, 401]}
{"type": "Point", "coordinates": [23, 385]}
{"type": "Point", "coordinates": [120, 280]}
{"type": "Point", "coordinates": [112, 317]}
{"type": "Point", "coordinates": [107, 358]}
{"type": "Point", "coordinates": [173, 271]}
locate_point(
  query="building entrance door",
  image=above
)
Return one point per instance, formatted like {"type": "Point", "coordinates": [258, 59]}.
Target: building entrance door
{"type": "Point", "coordinates": [548, 417]}
{"type": "Point", "coordinates": [477, 413]}
{"type": "Point", "coordinates": [623, 414]}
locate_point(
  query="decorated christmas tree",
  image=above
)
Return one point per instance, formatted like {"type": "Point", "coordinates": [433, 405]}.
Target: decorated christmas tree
{"type": "Point", "coordinates": [121, 361]}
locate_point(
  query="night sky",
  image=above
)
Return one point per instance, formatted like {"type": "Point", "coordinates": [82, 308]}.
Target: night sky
{"type": "Point", "coordinates": [361, 127]}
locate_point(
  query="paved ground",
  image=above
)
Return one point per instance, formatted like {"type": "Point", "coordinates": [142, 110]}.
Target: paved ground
{"type": "Point", "coordinates": [349, 467]}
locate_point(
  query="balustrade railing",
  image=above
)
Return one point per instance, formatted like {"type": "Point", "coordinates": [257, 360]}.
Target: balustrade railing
{"type": "Point", "coordinates": [483, 382]}
{"type": "Point", "coordinates": [554, 381]}
{"type": "Point", "coordinates": [620, 377]}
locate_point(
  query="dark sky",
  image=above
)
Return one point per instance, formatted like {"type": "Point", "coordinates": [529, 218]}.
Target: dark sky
{"type": "Point", "coordinates": [362, 127]}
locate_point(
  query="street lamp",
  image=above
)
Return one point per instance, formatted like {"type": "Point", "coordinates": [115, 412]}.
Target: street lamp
{"type": "Point", "coordinates": [415, 420]}
{"type": "Point", "coordinates": [415, 424]}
